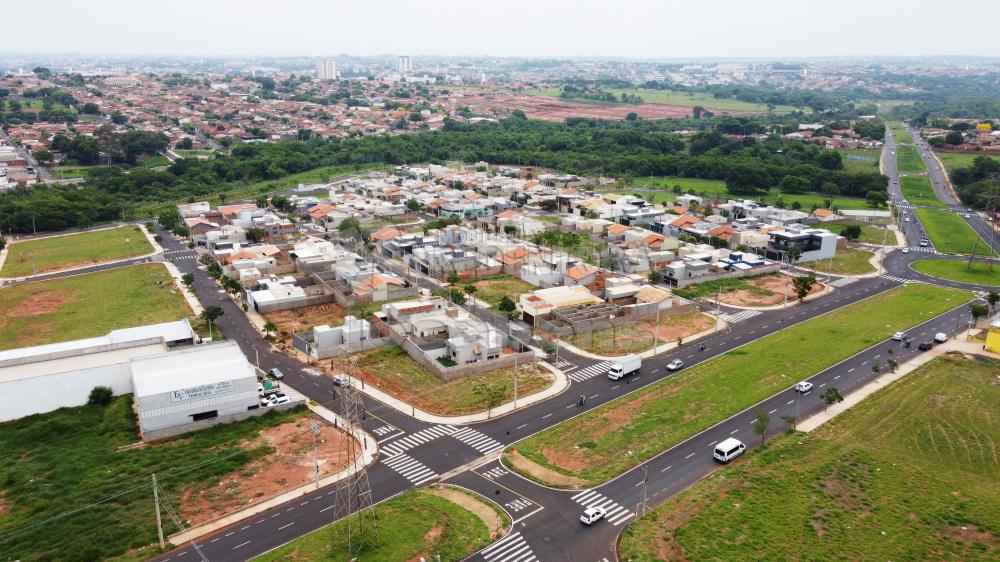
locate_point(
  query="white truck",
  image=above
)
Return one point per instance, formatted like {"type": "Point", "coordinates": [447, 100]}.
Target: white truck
{"type": "Point", "coordinates": [624, 366]}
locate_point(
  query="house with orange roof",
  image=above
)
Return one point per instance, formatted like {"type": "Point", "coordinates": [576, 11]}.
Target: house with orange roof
{"type": "Point", "coordinates": [230, 212]}
{"type": "Point", "coordinates": [386, 233]}
{"type": "Point", "coordinates": [824, 215]}
{"type": "Point", "coordinates": [581, 274]}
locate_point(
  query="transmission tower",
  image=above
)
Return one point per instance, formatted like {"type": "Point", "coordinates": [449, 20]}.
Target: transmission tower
{"type": "Point", "coordinates": [357, 528]}
{"type": "Point", "coordinates": [992, 207]}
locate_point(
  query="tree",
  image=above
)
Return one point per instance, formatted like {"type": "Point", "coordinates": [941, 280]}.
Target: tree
{"type": "Point", "coordinates": [452, 277]}
{"type": "Point", "coordinates": [413, 205]}
{"type": "Point", "coordinates": [803, 285]}
{"type": "Point", "coordinates": [978, 311]}
{"type": "Point", "coordinates": [655, 276]}
{"type": "Point", "coordinates": [507, 306]}
{"type": "Point", "coordinates": [470, 290]}
{"type": "Point", "coordinates": [510, 230]}
{"type": "Point", "coordinates": [270, 328]}
{"type": "Point", "coordinates": [100, 396]}
{"type": "Point", "coordinates": [90, 108]}
{"type": "Point", "coordinates": [118, 118]}
{"type": "Point", "coordinates": [893, 365]}
{"type": "Point", "coordinates": [830, 160]}
{"type": "Point", "coordinates": [3, 242]}
{"type": "Point", "coordinates": [831, 396]}
{"type": "Point", "coordinates": [185, 143]}
{"type": "Point", "coordinates": [187, 279]}
{"type": "Point", "coordinates": [632, 116]}
{"type": "Point", "coordinates": [170, 218]}
{"type": "Point", "coordinates": [210, 315]}
{"type": "Point", "coordinates": [992, 297]}
{"type": "Point", "coordinates": [42, 72]}
{"type": "Point", "coordinates": [760, 423]}
{"type": "Point", "coordinates": [457, 296]}
{"type": "Point", "coordinates": [491, 395]}
{"type": "Point", "coordinates": [254, 235]}
{"type": "Point", "coordinates": [852, 232]}
{"type": "Point", "coordinates": [954, 138]}
{"type": "Point", "coordinates": [794, 253]}
{"type": "Point", "coordinates": [875, 199]}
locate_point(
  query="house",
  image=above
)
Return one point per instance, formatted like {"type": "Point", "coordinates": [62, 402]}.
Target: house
{"type": "Point", "coordinates": [812, 243]}
{"type": "Point", "coordinates": [581, 274]}
{"type": "Point", "coordinates": [543, 302]}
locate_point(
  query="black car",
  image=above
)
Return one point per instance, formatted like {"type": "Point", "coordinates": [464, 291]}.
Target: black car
{"type": "Point", "coordinates": [925, 346]}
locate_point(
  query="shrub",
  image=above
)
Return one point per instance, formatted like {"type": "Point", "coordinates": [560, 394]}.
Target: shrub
{"type": "Point", "coordinates": [100, 396]}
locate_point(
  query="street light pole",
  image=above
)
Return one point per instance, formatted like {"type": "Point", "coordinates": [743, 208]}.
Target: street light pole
{"type": "Point", "coordinates": [645, 479]}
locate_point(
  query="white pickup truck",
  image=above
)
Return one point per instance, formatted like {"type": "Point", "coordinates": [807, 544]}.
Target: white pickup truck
{"type": "Point", "coordinates": [624, 366]}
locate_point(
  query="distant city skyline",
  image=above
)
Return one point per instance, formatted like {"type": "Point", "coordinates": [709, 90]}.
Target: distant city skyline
{"type": "Point", "coordinates": [640, 29]}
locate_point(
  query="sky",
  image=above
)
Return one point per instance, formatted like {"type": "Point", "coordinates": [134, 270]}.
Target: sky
{"type": "Point", "coordinates": [640, 29]}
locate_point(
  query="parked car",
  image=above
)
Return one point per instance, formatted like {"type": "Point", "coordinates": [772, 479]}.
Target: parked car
{"type": "Point", "coordinates": [940, 337]}
{"type": "Point", "coordinates": [592, 515]}
{"type": "Point", "coordinates": [899, 336]}
{"type": "Point", "coordinates": [728, 450]}
{"type": "Point", "coordinates": [925, 346]}
{"type": "Point", "coordinates": [276, 373]}
{"type": "Point", "coordinates": [279, 400]}
{"type": "Point", "coordinates": [804, 387]}
{"type": "Point", "coordinates": [675, 364]}
{"type": "Point", "coordinates": [341, 380]}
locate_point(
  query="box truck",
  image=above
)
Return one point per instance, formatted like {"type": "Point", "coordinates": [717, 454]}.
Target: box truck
{"type": "Point", "coordinates": [624, 366]}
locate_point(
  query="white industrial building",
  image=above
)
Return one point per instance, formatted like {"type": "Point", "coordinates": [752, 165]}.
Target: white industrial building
{"type": "Point", "coordinates": [191, 388]}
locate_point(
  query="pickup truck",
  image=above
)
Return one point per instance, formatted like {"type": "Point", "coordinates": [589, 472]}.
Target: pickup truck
{"type": "Point", "coordinates": [624, 366]}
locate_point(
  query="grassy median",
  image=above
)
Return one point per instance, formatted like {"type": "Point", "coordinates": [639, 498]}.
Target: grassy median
{"type": "Point", "coordinates": [75, 250]}
{"type": "Point", "coordinates": [911, 473]}
{"type": "Point", "coordinates": [917, 190]}
{"type": "Point", "coordinates": [960, 271]}
{"type": "Point", "coordinates": [949, 233]}
{"type": "Point", "coordinates": [908, 161]}
{"type": "Point", "coordinates": [621, 434]}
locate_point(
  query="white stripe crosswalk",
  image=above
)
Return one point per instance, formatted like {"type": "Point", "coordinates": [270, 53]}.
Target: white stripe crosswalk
{"type": "Point", "coordinates": [927, 249]}
{"type": "Point", "coordinates": [404, 444]}
{"type": "Point", "coordinates": [614, 513]}
{"type": "Point", "coordinates": [894, 278]}
{"type": "Point", "coordinates": [410, 468]}
{"type": "Point", "coordinates": [590, 372]}
{"type": "Point", "coordinates": [482, 443]}
{"type": "Point", "coordinates": [739, 316]}
{"type": "Point", "coordinates": [496, 472]}
{"type": "Point", "coordinates": [517, 505]}
{"type": "Point", "coordinates": [511, 548]}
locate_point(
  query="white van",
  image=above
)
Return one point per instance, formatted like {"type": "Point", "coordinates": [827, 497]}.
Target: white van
{"type": "Point", "coordinates": [940, 337]}
{"type": "Point", "coordinates": [729, 450]}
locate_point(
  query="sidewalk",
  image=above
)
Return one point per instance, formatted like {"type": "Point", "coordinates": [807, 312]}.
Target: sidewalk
{"type": "Point", "coordinates": [561, 384]}
{"type": "Point", "coordinates": [720, 325]}
{"type": "Point", "coordinates": [368, 452]}
{"type": "Point", "coordinates": [882, 381]}
{"type": "Point", "coordinates": [189, 295]}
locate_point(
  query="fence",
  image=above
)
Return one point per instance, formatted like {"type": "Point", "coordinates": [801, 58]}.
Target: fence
{"type": "Point", "coordinates": [740, 273]}
{"type": "Point", "coordinates": [562, 326]}
{"type": "Point", "coordinates": [458, 371]}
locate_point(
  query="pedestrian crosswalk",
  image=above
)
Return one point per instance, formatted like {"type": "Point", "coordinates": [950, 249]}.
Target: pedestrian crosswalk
{"type": "Point", "coordinates": [563, 364]}
{"type": "Point", "coordinates": [590, 372]}
{"type": "Point", "coordinates": [894, 278]}
{"type": "Point", "coordinates": [404, 444]}
{"type": "Point", "coordinates": [482, 443]}
{"type": "Point", "coordinates": [384, 430]}
{"type": "Point", "coordinates": [735, 317]}
{"type": "Point", "coordinates": [614, 513]}
{"type": "Point", "coordinates": [181, 254]}
{"type": "Point", "coordinates": [512, 548]}
{"type": "Point", "coordinates": [517, 505]}
{"type": "Point", "coordinates": [410, 468]}
{"type": "Point", "coordinates": [926, 249]}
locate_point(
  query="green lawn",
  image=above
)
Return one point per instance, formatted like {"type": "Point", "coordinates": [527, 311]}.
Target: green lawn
{"type": "Point", "coordinates": [859, 166]}
{"type": "Point", "coordinates": [492, 288]}
{"type": "Point", "coordinates": [917, 190]}
{"type": "Point", "coordinates": [948, 232]}
{"type": "Point", "coordinates": [960, 271]}
{"type": "Point", "coordinates": [844, 492]}
{"type": "Point", "coordinates": [412, 526]}
{"type": "Point", "coordinates": [88, 305]}
{"type": "Point", "coordinates": [847, 261]}
{"type": "Point", "coordinates": [394, 371]}
{"type": "Point", "coordinates": [900, 132]}
{"type": "Point", "coordinates": [908, 160]}
{"type": "Point", "coordinates": [717, 188]}
{"type": "Point", "coordinates": [154, 161]}
{"type": "Point", "coordinates": [72, 457]}
{"type": "Point", "coordinates": [86, 248]}
{"type": "Point", "coordinates": [619, 435]}
{"type": "Point", "coordinates": [954, 160]}
{"type": "Point", "coordinates": [70, 172]}
{"type": "Point", "coordinates": [195, 153]}
{"type": "Point", "coordinates": [684, 99]}
{"type": "Point", "coordinates": [870, 234]}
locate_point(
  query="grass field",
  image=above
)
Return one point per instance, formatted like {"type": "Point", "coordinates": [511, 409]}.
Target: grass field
{"type": "Point", "coordinates": [870, 234]}
{"type": "Point", "coordinates": [859, 166]}
{"type": "Point", "coordinates": [494, 287]}
{"type": "Point", "coordinates": [844, 492]}
{"type": "Point", "coordinates": [415, 525]}
{"type": "Point", "coordinates": [847, 261]}
{"type": "Point", "coordinates": [391, 369]}
{"type": "Point", "coordinates": [154, 161]}
{"type": "Point", "coordinates": [72, 457]}
{"type": "Point", "coordinates": [917, 190]}
{"type": "Point", "coordinates": [88, 305]}
{"type": "Point", "coordinates": [955, 160]}
{"type": "Point", "coordinates": [638, 336]}
{"type": "Point", "coordinates": [908, 161]}
{"type": "Point", "coordinates": [948, 232]}
{"type": "Point", "coordinates": [717, 188]}
{"type": "Point", "coordinates": [86, 248]}
{"type": "Point", "coordinates": [683, 99]}
{"type": "Point", "coordinates": [624, 433]}
{"type": "Point", "coordinates": [959, 271]}
{"type": "Point", "coordinates": [70, 172]}
{"type": "Point", "coordinates": [900, 132]}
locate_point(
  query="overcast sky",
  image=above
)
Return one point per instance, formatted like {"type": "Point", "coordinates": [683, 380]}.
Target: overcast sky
{"type": "Point", "coordinates": [616, 28]}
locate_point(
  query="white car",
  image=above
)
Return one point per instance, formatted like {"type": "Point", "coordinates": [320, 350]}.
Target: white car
{"type": "Point", "coordinates": [898, 336]}
{"type": "Point", "coordinates": [675, 364]}
{"type": "Point", "coordinates": [906, 250]}
{"type": "Point", "coordinates": [967, 215]}
{"type": "Point", "coordinates": [341, 380]}
{"type": "Point", "coordinates": [592, 515]}
{"type": "Point", "coordinates": [804, 387]}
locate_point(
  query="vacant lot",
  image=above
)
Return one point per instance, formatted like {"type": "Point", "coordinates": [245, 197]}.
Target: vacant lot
{"type": "Point", "coordinates": [955, 160]}
{"type": "Point", "coordinates": [960, 271]}
{"type": "Point", "coordinates": [763, 290]}
{"type": "Point", "coordinates": [908, 160]}
{"type": "Point", "coordinates": [844, 493]}
{"type": "Point", "coordinates": [304, 318]}
{"type": "Point", "coordinates": [87, 248]}
{"type": "Point", "coordinates": [392, 370]}
{"type": "Point", "coordinates": [638, 336]}
{"type": "Point", "coordinates": [74, 457]}
{"type": "Point", "coordinates": [683, 99]}
{"type": "Point", "coordinates": [494, 287]}
{"type": "Point", "coordinates": [864, 160]}
{"type": "Point", "coordinates": [870, 233]}
{"type": "Point", "coordinates": [416, 525]}
{"type": "Point", "coordinates": [917, 190]}
{"type": "Point", "coordinates": [847, 261]}
{"type": "Point", "coordinates": [949, 233]}
{"type": "Point", "coordinates": [717, 188]}
{"type": "Point", "coordinates": [88, 305]}
{"type": "Point", "coordinates": [621, 434]}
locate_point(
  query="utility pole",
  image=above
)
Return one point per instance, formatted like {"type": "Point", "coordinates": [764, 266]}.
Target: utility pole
{"type": "Point", "coordinates": [656, 331]}
{"type": "Point", "coordinates": [314, 429]}
{"type": "Point", "coordinates": [159, 523]}
{"type": "Point", "coordinates": [645, 479]}
{"type": "Point", "coordinates": [515, 382]}
{"type": "Point", "coordinates": [885, 232]}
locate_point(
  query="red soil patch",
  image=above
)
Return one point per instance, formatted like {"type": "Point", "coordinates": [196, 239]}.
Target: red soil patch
{"type": "Point", "coordinates": [39, 304]}
{"type": "Point", "coordinates": [556, 109]}
{"type": "Point", "coordinates": [778, 285]}
{"type": "Point", "coordinates": [305, 317]}
{"type": "Point", "coordinates": [290, 465]}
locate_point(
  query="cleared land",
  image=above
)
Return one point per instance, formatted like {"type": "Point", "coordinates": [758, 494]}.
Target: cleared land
{"type": "Point", "coordinates": [917, 190]}
{"type": "Point", "coordinates": [638, 336]}
{"type": "Point", "coordinates": [70, 172]}
{"type": "Point", "coordinates": [650, 190]}
{"type": "Point", "coordinates": [86, 248]}
{"type": "Point", "coordinates": [621, 434]}
{"type": "Point", "coordinates": [847, 261]}
{"type": "Point", "coordinates": [959, 271]}
{"type": "Point", "coordinates": [392, 370]}
{"type": "Point", "coordinates": [949, 233]}
{"type": "Point", "coordinates": [89, 305]}
{"type": "Point", "coordinates": [683, 99]}
{"type": "Point", "coordinates": [870, 234]}
{"type": "Point", "coordinates": [416, 525]}
{"type": "Point", "coordinates": [866, 160]}
{"type": "Point", "coordinates": [908, 161]}
{"type": "Point", "coordinates": [763, 290]}
{"type": "Point", "coordinates": [74, 457]}
{"type": "Point", "coordinates": [494, 287]}
{"type": "Point", "coordinates": [843, 492]}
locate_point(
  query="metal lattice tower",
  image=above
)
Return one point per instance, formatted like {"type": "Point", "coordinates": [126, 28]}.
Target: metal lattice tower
{"type": "Point", "coordinates": [992, 207]}
{"type": "Point", "coordinates": [358, 527]}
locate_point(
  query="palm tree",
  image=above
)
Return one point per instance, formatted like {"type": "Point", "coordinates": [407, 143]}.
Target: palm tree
{"type": "Point", "coordinates": [270, 328]}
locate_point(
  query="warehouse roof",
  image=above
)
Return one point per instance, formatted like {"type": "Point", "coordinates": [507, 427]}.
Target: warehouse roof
{"type": "Point", "coordinates": [189, 367]}
{"type": "Point", "coordinates": [168, 332]}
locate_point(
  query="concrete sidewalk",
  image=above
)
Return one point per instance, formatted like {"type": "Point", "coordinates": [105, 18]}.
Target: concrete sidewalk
{"type": "Point", "coordinates": [561, 384]}
{"type": "Point", "coordinates": [368, 453]}
{"type": "Point", "coordinates": [885, 380]}
{"type": "Point", "coordinates": [720, 325]}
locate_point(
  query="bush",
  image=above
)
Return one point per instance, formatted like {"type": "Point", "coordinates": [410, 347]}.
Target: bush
{"type": "Point", "coordinates": [100, 396]}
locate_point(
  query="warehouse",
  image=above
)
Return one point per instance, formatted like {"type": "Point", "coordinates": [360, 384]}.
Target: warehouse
{"type": "Point", "coordinates": [192, 388]}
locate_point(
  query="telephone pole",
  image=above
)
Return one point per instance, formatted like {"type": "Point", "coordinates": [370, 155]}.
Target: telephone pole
{"type": "Point", "coordinates": [314, 429]}
{"type": "Point", "coordinates": [159, 522]}
{"type": "Point", "coordinates": [645, 480]}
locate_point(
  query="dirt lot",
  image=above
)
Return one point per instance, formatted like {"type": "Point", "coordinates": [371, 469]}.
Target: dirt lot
{"type": "Point", "coordinates": [305, 317]}
{"type": "Point", "coordinates": [767, 290]}
{"type": "Point", "coordinates": [555, 109]}
{"type": "Point", "coordinates": [288, 466]}
{"type": "Point", "coordinates": [638, 336]}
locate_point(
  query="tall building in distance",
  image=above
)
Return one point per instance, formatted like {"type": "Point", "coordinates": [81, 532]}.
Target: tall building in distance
{"type": "Point", "coordinates": [326, 69]}
{"type": "Point", "coordinates": [404, 64]}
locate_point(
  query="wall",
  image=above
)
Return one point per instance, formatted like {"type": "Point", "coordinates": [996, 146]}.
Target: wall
{"type": "Point", "coordinates": [459, 371]}
{"type": "Point", "coordinates": [725, 275]}
{"type": "Point", "coordinates": [294, 303]}
{"type": "Point", "coordinates": [37, 395]}
{"type": "Point", "coordinates": [194, 426]}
